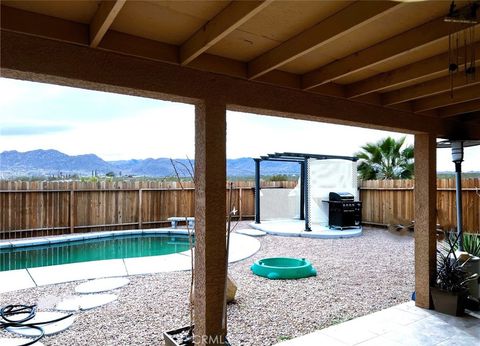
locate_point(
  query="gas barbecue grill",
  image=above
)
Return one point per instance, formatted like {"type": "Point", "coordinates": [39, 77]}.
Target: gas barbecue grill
{"type": "Point", "coordinates": [343, 211]}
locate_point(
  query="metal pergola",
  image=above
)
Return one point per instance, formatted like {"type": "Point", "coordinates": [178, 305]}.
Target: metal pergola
{"type": "Point", "coordinates": [302, 159]}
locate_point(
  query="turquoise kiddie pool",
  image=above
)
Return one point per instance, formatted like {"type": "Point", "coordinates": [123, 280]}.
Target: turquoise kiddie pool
{"type": "Point", "coordinates": [283, 268]}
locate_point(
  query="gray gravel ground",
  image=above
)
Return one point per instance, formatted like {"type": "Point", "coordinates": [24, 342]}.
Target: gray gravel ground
{"type": "Point", "coordinates": [356, 276]}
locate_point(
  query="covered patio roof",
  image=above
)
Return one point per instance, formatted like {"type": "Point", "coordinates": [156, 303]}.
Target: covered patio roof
{"type": "Point", "coordinates": [375, 64]}
{"type": "Point", "coordinates": [379, 59]}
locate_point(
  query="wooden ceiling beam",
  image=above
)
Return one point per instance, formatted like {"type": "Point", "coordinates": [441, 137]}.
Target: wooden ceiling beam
{"type": "Point", "coordinates": [103, 19]}
{"type": "Point", "coordinates": [348, 19]}
{"type": "Point", "coordinates": [469, 93]}
{"type": "Point", "coordinates": [232, 17]}
{"type": "Point", "coordinates": [35, 24]}
{"type": "Point", "coordinates": [20, 21]}
{"type": "Point", "coordinates": [468, 117]}
{"type": "Point", "coordinates": [465, 107]}
{"type": "Point", "coordinates": [30, 23]}
{"type": "Point", "coordinates": [432, 67]}
{"type": "Point", "coordinates": [37, 59]}
{"type": "Point", "coordinates": [26, 55]}
{"type": "Point", "coordinates": [391, 48]}
{"type": "Point", "coordinates": [425, 89]}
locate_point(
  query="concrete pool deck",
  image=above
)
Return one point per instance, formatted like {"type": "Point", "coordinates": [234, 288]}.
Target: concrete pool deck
{"type": "Point", "coordinates": [241, 247]}
{"type": "Point", "coordinates": [296, 228]}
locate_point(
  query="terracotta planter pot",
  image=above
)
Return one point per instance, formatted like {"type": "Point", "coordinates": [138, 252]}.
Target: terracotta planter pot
{"type": "Point", "coordinates": [450, 303]}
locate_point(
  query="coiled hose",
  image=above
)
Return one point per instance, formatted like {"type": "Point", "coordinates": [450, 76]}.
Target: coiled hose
{"type": "Point", "coordinates": [31, 310]}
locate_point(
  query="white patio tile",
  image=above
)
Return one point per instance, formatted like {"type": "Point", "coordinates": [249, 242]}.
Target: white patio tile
{"type": "Point", "coordinates": [315, 338]}
{"type": "Point", "coordinates": [350, 333]}
{"type": "Point", "coordinates": [13, 280]}
{"type": "Point", "coordinates": [77, 271]}
{"type": "Point", "coordinates": [411, 308]}
{"type": "Point", "coordinates": [375, 324]}
{"type": "Point", "coordinates": [397, 316]}
{"type": "Point", "coordinates": [413, 336]}
{"type": "Point", "coordinates": [403, 324]}
{"type": "Point", "coordinates": [465, 340]}
{"type": "Point", "coordinates": [380, 341]}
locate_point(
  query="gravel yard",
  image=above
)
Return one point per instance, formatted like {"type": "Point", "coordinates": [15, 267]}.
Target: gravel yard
{"type": "Point", "coordinates": [356, 276]}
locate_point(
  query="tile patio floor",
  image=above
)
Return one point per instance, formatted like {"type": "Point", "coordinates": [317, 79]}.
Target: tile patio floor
{"type": "Point", "coordinates": [404, 324]}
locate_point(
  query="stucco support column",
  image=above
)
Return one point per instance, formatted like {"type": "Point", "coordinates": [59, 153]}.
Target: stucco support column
{"type": "Point", "coordinates": [425, 217]}
{"type": "Point", "coordinates": [210, 221]}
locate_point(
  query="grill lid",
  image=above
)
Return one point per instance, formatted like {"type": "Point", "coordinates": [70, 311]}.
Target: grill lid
{"type": "Point", "coordinates": [340, 196]}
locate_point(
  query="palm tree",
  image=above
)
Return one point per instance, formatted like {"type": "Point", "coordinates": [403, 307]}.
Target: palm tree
{"type": "Point", "coordinates": [386, 160]}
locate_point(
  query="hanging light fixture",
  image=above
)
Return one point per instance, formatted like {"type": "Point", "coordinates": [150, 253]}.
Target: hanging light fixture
{"type": "Point", "coordinates": [457, 158]}
{"type": "Point", "coordinates": [461, 43]}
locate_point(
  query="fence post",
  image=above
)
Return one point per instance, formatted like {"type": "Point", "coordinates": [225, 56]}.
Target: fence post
{"type": "Point", "coordinates": [240, 189]}
{"type": "Point", "coordinates": [140, 208]}
{"type": "Point", "coordinates": [71, 211]}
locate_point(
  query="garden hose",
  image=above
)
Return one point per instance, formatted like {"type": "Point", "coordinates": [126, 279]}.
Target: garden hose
{"type": "Point", "coordinates": [31, 310]}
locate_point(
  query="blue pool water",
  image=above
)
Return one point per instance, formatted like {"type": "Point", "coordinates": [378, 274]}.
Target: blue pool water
{"type": "Point", "coordinates": [104, 248]}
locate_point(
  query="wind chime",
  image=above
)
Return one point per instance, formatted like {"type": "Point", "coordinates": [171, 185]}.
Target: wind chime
{"type": "Point", "coordinates": [461, 41]}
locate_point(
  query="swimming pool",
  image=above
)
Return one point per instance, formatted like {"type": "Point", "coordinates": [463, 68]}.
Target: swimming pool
{"type": "Point", "coordinates": [85, 250]}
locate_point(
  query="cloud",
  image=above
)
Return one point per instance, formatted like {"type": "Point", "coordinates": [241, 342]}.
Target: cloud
{"type": "Point", "coordinates": [31, 130]}
{"type": "Point", "coordinates": [116, 127]}
{"type": "Point", "coordinates": [16, 91]}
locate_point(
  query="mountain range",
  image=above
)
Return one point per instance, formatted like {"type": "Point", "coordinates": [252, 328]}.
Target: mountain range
{"type": "Point", "coordinates": [55, 163]}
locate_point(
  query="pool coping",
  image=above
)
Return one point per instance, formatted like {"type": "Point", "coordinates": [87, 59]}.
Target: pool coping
{"type": "Point", "coordinates": [241, 247]}
{"type": "Point", "coordinates": [85, 236]}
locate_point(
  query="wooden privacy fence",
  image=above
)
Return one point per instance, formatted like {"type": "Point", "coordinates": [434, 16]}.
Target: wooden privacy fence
{"type": "Point", "coordinates": [49, 208]}
{"type": "Point", "coordinates": [392, 201]}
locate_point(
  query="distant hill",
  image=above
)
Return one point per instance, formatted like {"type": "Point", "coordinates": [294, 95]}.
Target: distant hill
{"type": "Point", "coordinates": [54, 163]}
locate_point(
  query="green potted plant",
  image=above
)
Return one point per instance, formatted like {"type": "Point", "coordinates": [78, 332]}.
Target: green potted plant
{"type": "Point", "coordinates": [471, 245]}
{"type": "Point", "coordinates": [451, 291]}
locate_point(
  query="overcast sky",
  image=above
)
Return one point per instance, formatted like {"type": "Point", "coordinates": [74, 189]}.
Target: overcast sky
{"type": "Point", "coordinates": [118, 127]}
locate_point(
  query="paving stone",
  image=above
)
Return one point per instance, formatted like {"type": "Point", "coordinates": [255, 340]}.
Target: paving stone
{"type": "Point", "coordinates": [85, 302]}
{"type": "Point", "coordinates": [101, 285]}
